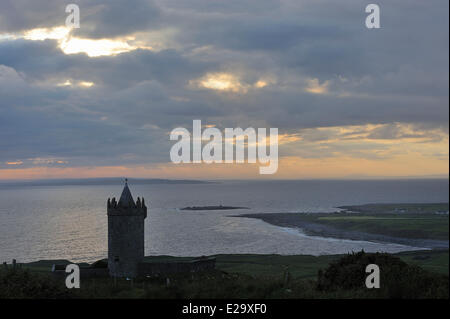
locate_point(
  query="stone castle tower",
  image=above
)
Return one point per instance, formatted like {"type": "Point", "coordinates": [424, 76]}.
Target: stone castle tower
{"type": "Point", "coordinates": [125, 234]}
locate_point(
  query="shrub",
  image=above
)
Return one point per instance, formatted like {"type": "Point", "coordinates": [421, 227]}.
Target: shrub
{"type": "Point", "coordinates": [397, 278]}
{"type": "Point", "coordinates": [18, 283]}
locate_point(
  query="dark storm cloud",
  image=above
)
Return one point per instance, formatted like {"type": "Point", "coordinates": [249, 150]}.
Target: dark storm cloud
{"type": "Point", "coordinates": [222, 7]}
{"type": "Point", "coordinates": [112, 18]}
{"type": "Point", "coordinates": [396, 74]}
{"type": "Point", "coordinates": [41, 59]}
{"type": "Point", "coordinates": [100, 18]}
{"type": "Point", "coordinates": [19, 15]}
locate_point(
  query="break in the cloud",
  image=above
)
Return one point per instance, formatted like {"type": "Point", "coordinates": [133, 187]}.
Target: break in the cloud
{"type": "Point", "coordinates": [100, 100]}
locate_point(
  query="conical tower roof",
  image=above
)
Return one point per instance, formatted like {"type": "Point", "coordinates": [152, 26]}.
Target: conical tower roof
{"type": "Point", "coordinates": [126, 199]}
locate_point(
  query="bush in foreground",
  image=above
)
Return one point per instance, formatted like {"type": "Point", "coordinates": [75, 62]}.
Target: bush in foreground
{"type": "Point", "coordinates": [21, 284]}
{"type": "Point", "coordinates": [397, 278]}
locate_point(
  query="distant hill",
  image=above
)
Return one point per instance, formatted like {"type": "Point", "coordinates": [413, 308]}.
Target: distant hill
{"type": "Point", "coordinates": [99, 181]}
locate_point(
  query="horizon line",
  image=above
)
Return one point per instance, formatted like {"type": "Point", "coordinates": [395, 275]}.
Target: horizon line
{"type": "Point", "coordinates": [424, 177]}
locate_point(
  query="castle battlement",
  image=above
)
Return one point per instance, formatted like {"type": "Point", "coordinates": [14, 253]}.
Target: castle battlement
{"type": "Point", "coordinates": [114, 208]}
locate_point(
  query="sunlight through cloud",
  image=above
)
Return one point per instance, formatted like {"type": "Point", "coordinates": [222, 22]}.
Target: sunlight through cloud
{"type": "Point", "coordinates": [226, 82]}
{"type": "Point", "coordinates": [73, 45]}
{"type": "Point", "coordinates": [316, 88]}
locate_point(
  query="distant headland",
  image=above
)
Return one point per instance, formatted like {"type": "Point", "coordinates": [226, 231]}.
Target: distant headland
{"type": "Point", "coordinates": [413, 224]}
{"type": "Point", "coordinates": [98, 181]}
{"type": "Point", "coordinates": [219, 207]}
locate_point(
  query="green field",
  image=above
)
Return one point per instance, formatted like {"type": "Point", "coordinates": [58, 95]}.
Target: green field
{"type": "Point", "coordinates": [299, 266]}
{"type": "Point", "coordinates": [420, 222]}
{"type": "Point", "coordinates": [399, 208]}
{"type": "Point", "coordinates": [417, 226]}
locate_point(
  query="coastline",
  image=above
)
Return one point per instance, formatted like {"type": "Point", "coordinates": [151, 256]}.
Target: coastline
{"type": "Point", "coordinates": [315, 225]}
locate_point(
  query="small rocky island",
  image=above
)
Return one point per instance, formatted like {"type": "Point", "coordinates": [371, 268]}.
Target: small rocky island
{"type": "Point", "coordinates": [220, 207]}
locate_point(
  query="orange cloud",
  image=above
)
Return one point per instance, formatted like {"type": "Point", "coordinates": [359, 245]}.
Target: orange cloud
{"type": "Point", "coordinates": [14, 163]}
{"type": "Point", "coordinates": [288, 168]}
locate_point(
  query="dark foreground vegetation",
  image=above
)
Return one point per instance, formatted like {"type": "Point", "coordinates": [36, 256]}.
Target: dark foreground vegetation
{"type": "Point", "coordinates": [397, 278]}
{"type": "Point", "coordinates": [255, 276]}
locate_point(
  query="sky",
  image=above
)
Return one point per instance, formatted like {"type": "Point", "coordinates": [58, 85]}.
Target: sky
{"type": "Point", "coordinates": [102, 99]}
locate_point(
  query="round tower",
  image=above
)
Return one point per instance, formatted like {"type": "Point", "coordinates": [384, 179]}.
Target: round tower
{"type": "Point", "coordinates": [125, 234]}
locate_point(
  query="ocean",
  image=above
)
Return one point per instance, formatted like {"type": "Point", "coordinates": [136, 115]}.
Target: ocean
{"type": "Point", "coordinates": [70, 222]}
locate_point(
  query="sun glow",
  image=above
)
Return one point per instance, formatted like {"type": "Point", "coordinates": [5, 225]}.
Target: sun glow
{"type": "Point", "coordinates": [14, 163]}
{"type": "Point", "coordinates": [94, 48]}
{"type": "Point", "coordinates": [83, 84]}
{"type": "Point", "coordinates": [66, 83]}
{"type": "Point", "coordinates": [226, 82]}
{"type": "Point", "coordinates": [72, 45]}
{"type": "Point", "coordinates": [40, 34]}
{"type": "Point", "coordinates": [260, 84]}
{"type": "Point", "coordinates": [221, 82]}
{"type": "Point", "coordinates": [86, 84]}
{"type": "Point", "coordinates": [316, 88]}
